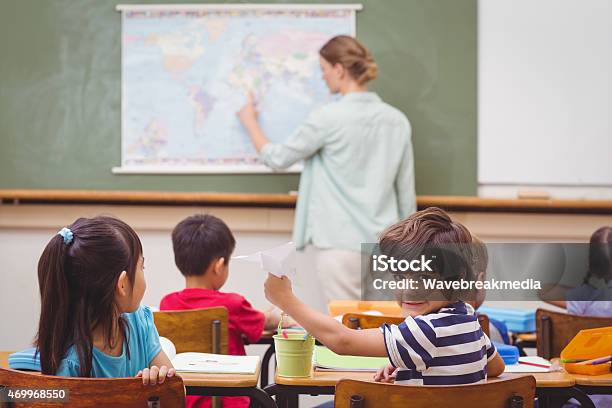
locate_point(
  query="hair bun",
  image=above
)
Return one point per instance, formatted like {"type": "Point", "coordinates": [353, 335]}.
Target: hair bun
{"type": "Point", "coordinates": [352, 55]}
{"type": "Point", "coordinates": [371, 71]}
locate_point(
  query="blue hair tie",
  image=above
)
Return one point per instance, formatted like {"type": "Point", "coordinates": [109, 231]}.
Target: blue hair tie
{"type": "Point", "coordinates": [67, 234]}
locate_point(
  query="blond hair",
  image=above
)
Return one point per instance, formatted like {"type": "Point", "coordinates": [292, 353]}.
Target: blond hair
{"type": "Point", "coordinates": [352, 55]}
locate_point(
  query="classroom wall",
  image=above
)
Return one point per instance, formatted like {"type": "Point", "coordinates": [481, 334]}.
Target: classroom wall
{"type": "Point", "coordinates": [60, 97]}
{"type": "Point", "coordinates": [25, 229]}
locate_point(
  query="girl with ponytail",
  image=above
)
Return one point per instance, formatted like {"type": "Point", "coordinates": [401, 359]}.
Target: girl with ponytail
{"type": "Point", "coordinates": [91, 278]}
{"type": "Point", "coordinates": [358, 175]}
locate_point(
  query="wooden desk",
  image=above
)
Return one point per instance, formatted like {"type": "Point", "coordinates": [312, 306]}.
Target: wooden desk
{"type": "Point", "coordinates": [227, 385]}
{"type": "Point", "coordinates": [594, 384]}
{"type": "Point", "coordinates": [324, 378]}
{"type": "Point", "coordinates": [550, 386]}
{"type": "Point", "coordinates": [331, 378]}
{"type": "Point", "coordinates": [4, 358]}
{"type": "Point", "coordinates": [526, 337]}
{"type": "Point", "coordinates": [604, 380]}
{"type": "Point", "coordinates": [557, 379]}
{"type": "Point", "coordinates": [220, 380]}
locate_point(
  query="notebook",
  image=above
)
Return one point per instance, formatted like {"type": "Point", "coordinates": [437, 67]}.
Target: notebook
{"type": "Point", "coordinates": [215, 363]}
{"type": "Point", "coordinates": [327, 360]}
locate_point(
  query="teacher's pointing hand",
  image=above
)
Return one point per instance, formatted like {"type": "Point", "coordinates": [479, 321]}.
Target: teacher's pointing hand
{"type": "Point", "coordinates": [248, 117]}
{"type": "Point", "coordinates": [248, 113]}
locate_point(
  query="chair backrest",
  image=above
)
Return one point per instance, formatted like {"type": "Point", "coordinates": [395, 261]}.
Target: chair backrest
{"type": "Point", "coordinates": [493, 394]}
{"type": "Point", "coordinates": [96, 392]}
{"type": "Point", "coordinates": [483, 319]}
{"type": "Point", "coordinates": [555, 330]}
{"type": "Point", "coordinates": [198, 330]}
{"type": "Point", "coordinates": [365, 321]}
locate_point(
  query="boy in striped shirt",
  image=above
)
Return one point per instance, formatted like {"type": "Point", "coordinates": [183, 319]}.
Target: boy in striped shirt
{"type": "Point", "coordinates": [439, 343]}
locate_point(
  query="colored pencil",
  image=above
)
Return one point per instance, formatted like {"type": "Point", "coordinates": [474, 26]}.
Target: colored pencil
{"type": "Point", "coordinates": [534, 364]}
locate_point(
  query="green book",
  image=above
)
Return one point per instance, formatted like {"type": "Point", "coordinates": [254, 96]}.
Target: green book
{"type": "Point", "coordinates": [327, 360]}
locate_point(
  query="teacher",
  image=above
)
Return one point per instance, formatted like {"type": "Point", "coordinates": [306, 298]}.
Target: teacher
{"type": "Point", "coordinates": [358, 175]}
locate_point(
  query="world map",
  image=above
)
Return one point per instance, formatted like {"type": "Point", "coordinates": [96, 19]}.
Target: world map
{"type": "Point", "coordinates": [185, 74]}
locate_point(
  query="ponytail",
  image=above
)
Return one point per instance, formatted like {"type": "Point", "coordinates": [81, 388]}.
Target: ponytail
{"type": "Point", "coordinates": [54, 326]}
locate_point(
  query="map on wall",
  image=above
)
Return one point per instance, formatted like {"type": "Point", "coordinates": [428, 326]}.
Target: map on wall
{"type": "Point", "coordinates": [187, 70]}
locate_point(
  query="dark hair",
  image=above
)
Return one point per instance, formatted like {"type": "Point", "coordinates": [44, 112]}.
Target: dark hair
{"type": "Point", "coordinates": [77, 288]}
{"type": "Point", "coordinates": [481, 255]}
{"type": "Point", "coordinates": [600, 255]}
{"type": "Point", "coordinates": [352, 55]}
{"type": "Point", "coordinates": [199, 240]}
{"type": "Point", "coordinates": [432, 233]}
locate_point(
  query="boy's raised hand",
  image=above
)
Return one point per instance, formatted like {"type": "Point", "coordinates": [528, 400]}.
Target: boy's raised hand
{"type": "Point", "coordinates": [155, 375]}
{"type": "Point", "coordinates": [278, 290]}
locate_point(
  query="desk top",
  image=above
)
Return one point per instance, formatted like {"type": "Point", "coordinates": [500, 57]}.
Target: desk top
{"type": "Point", "coordinates": [193, 379]}
{"type": "Point", "coordinates": [325, 378]}
{"type": "Point", "coordinates": [543, 380]}
{"type": "Point", "coordinates": [4, 358]}
{"type": "Point", "coordinates": [329, 378]}
{"type": "Point", "coordinates": [267, 334]}
{"type": "Point", "coordinates": [598, 380]}
{"type": "Point", "coordinates": [221, 380]}
{"type": "Point", "coordinates": [531, 337]}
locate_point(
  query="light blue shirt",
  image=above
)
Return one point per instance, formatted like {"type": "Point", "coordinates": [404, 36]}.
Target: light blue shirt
{"type": "Point", "coordinates": [587, 300]}
{"type": "Point", "coordinates": [358, 175]}
{"type": "Point", "coordinates": [143, 341]}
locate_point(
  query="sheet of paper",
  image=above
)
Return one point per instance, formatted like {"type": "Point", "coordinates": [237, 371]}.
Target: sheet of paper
{"type": "Point", "coordinates": [215, 363]}
{"type": "Point", "coordinates": [168, 347]}
{"type": "Point", "coordinates": [526, 368]}
{"type": "Point", "coordinates": [279, 261]}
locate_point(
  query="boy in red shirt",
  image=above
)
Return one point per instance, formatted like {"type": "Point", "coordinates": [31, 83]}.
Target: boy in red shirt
{"type": "Point", "coordinates": [203, 245]}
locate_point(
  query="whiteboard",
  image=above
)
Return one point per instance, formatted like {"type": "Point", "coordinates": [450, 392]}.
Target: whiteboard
{"type": "Point", "coordinates": [545, 93]}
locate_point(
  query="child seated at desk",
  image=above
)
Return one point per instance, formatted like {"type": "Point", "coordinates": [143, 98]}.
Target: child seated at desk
{"type": "Point", "coordinates": [594, 296]}
{"type": "Point", "coordinates": [439, 343]}
{"type": "Point", "coordinates": [91, 322]}
{"type": "Point", "coordinates": [203, 245]}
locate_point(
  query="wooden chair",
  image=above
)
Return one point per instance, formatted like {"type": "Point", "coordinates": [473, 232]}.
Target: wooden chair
{"type": "Point", "coordinates": [365, 321]}
{"type": "Point", "coordinates": [513, 393]}
{"type": "Point", "coordinates": [555, 330]}
{"type": "Point", "coordinates": [483, 319]}
{"type": "Point", "coordinates": [198, 330]}
{"type": "Point", "coordinates": [96, 392]}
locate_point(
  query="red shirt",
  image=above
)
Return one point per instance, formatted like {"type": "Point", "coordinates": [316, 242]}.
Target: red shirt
{"type": "Point", "coordinates": [244, 320]}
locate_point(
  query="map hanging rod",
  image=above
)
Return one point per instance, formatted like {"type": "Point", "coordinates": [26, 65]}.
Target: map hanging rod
{"type": "Point", "coordinates": [190, 7]}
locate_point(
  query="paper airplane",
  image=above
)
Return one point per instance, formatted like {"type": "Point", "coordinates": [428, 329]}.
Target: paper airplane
{"type": "Point", "coordinates": [279, 261]}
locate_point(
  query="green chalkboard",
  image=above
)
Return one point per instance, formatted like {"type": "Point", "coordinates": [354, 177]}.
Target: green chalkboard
{"type": "Point", "coordinates": [60, 95]}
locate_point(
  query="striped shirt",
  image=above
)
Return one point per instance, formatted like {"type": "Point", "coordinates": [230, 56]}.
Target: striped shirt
{"type": "Point", "coordinates": [443, 348]}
